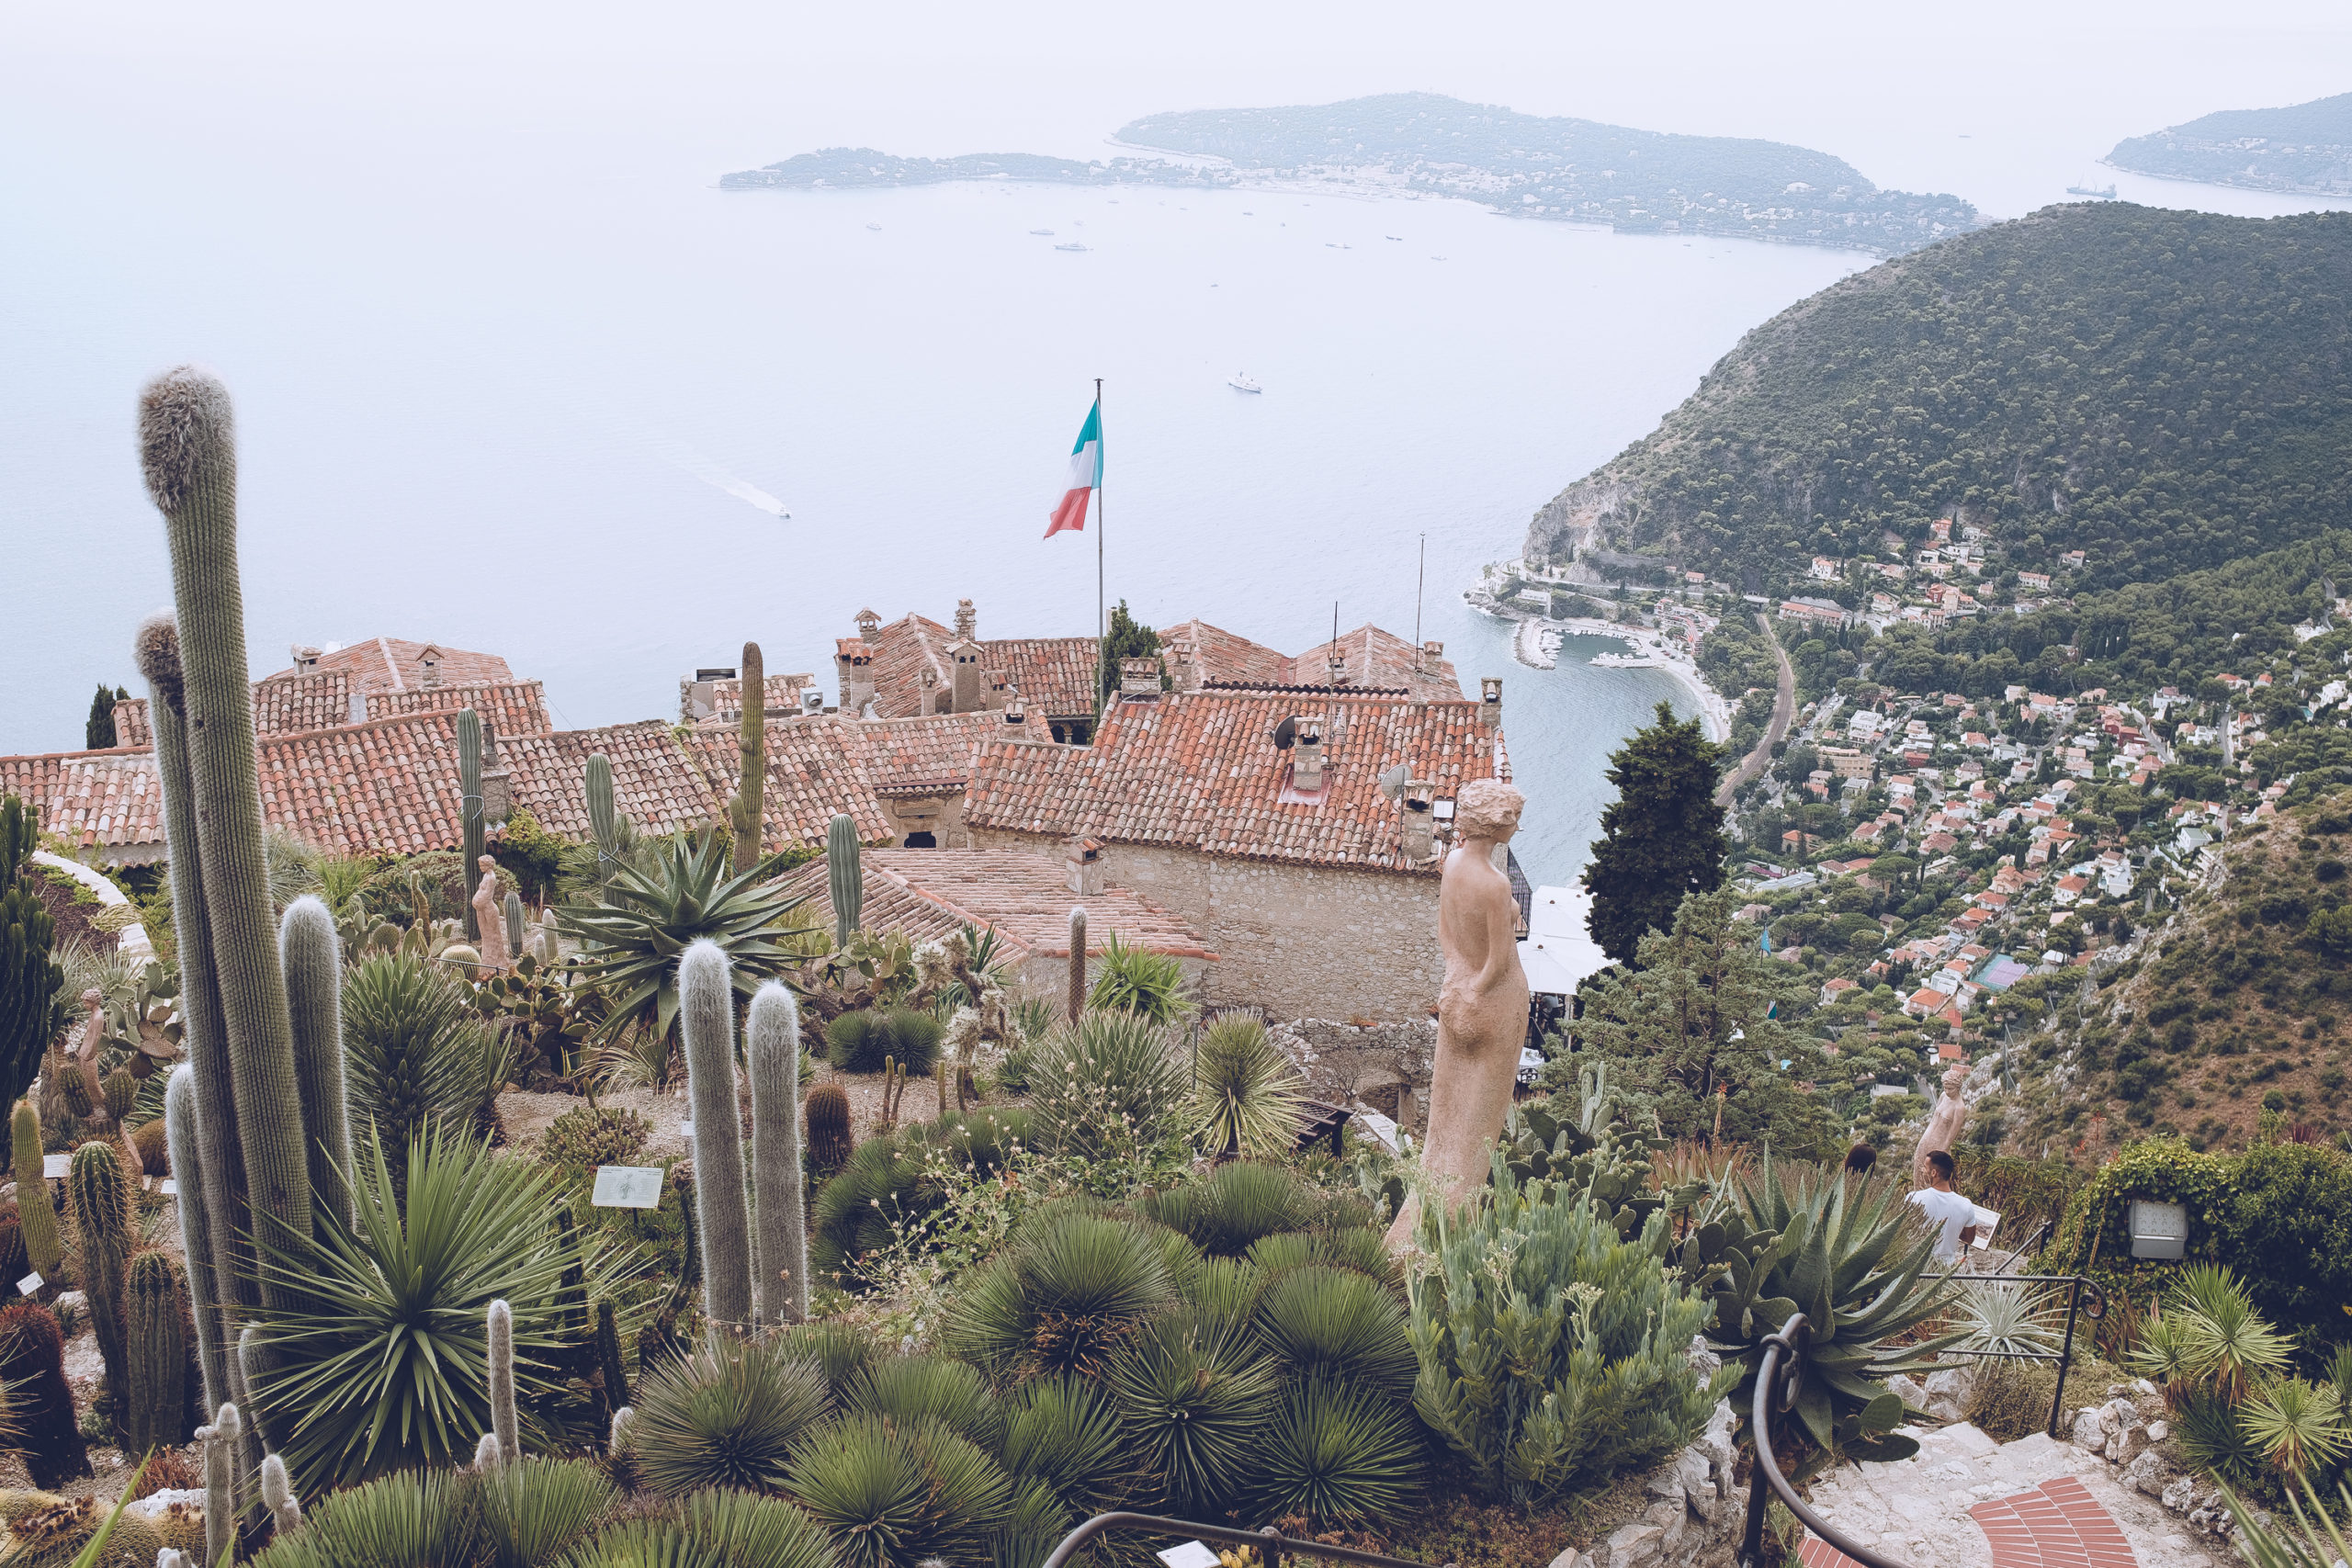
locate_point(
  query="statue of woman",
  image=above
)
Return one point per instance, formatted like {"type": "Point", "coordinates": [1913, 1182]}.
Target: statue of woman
{"type": "Point", "coordinates": [490, 914]}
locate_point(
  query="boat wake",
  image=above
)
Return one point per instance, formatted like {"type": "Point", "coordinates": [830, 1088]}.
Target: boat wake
{"type": "Point", "coordinates": [681, 455]}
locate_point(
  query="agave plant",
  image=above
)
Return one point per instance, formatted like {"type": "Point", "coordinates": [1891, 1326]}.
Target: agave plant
{"type": "Point", "coordinates": [2004, 1317]}
{"type": "Point", "coordinates": [417, 1055]}
{"type": "Point", "coordinates": [1854, 1257]}
{"type": "Point", "coordinates": [649, 915]}
{"type": "Point", "coordinates": [893, 1495]}
{"type": "Point", "coordinates": [1104, 1085]}
{"type": "Point", "coordinates": [915, 1388]}
{"type": "Point", "coordinates": [1336, 1455]}
{"type": "Point", "coordinates": [1194, 1400]}
{"type": "Point", "coordinates": [1320, 1321]}
{"type": "Point", "coordinates": [418, 1520]}
{"type": "Point", "coordinates": [533, 1511]}
{"type": "Point", "coordinates": [730, 1415]}
{"type": "Point", "coordinates": [1063, 1434]}
{"type": "Point", "coordinates": [2295, 1424]}
{"type": "Point", "coordinates": [1137, 981]}
{"type": "Point", "coordinates": [1247, 1097]}
{"type": "Point", "coordinates": [743, 1530]}
{"type": "Point", "coordinates": [1234, 1207]}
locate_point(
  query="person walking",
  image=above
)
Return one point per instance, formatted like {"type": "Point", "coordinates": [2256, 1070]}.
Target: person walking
{"type": "Point", "coordinates": [1954, 1215]}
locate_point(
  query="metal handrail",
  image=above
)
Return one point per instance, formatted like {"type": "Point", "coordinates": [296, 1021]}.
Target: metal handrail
{"type": "Point", "coordinates": [1267, 1541]}
{"type": "Point", "coordinates": [2093, 1308]}
{"type": "Point", "coordinates": [1778, 1377]}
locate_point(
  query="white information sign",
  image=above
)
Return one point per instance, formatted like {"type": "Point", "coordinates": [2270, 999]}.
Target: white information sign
{"type": "Point", "coordinates": [30, 1283]}
{"type": "Point", "coordinates": [1988, 1221]}
{"type": "Point", "coordinates": [1191, 1554]}
{"type": "Point", "coordinates": [56, 1167]}
{"type": "Point", "coordinates": [170, 1189]}
{"type": "Point", "coordinates": [626, 1187]}
{"type": "Point", "coordinates": [1380, 1127]}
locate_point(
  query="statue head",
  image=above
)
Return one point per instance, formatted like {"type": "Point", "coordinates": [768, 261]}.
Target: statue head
{"type": "Point", "coordinates": [1487, 809]}
{"type": "Point", "coordinates": [94, 998]}
{"type": "Point", "coordinates": [1954, 1077]}
{"type": "Point", "coordinates": [488, 862]}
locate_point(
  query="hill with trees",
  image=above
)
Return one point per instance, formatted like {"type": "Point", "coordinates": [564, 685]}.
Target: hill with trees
{"type": "Point", "coordinates": [2165, 391]}
{"type": "Point", "coordinates": [2305, 148]}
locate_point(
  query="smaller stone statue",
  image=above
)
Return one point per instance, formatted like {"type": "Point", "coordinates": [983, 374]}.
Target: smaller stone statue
{"type": "Point", "coordinates": [86, 1054]}
{"type": "Point", "coordinates": [1943, 1124]}
{"type": "Point", "coordinates": [490, 914]}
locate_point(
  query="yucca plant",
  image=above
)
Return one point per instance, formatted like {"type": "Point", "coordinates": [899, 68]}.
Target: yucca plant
{"type": "Point", "coordinates": [861, 1041]}
{"type": "Point", "coordinates": [1342, 1246]}
{"type": "Point", "coordinates": [2004, 1317]}
{"type": "Point", "coordinates": [2226, 1344]}
{"type": "Point", "coordinates": [730, 1414]}
{"type": "Point", "coordinates": [1063, 1433]}
{"type": "Point", "coordinates": [891, 1496]}
{"type": "Point", "coordinates": [1247, 1098]}
{"type": "Point", "coordinates": [743, 1530]}
{"type": "Point", "coordinates": [2316, 1541]}
{"type": "Point", "coordinates": [2211, 1437]}
{"type": "Point", "coordinates": [1338, 1456]}
{"type": "Point", "coordinates": [1144, 984]}
{"type": "Point", "coordinates": [384, 1363]}
{"type": "Point", "coordinates": [531, 1511]}
{"type": "Point", "coordinates": [913, 1388]}
{"type": "Point", "coordinates": [1194, 1399]}
{"type": "Point", "coordinates": [1228, 1210]}
{"type": "Point", "coordinates": [1223, 1292]}
{"type": "Point", "coordinates": [648, 1542]}
{"type": "Point", "coordinates": [417, 1055]}
{"type": "Point", "coordinates": [1105, 1086]}
{"type": "Point", "coordinates": [420, 1520]}
{"type": "Point", "coordinates": [1855, 1259]}
{"type": "Point", "coordinates": [2296, 1425]}
{"type": "Point", "coordinates": [1061, 1298]}
{"type": "Point", "coordinates": [1335, 1324]}
{"type": "Point", "coordinates": [632, 941]}
{"type": "Point", "coordinates": [840, 1350]}
{"type": "Point", "coordinates": [2162, 1352]}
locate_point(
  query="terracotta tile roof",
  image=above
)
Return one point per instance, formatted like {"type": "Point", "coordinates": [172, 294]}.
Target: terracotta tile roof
{"type": "Point", "coordinates": [131, 730]}
{"type": "Point", "coordinates": [516, 707]}
{"type": "Point", "coordinates": [783, 696]}
{"type": "Point", "coordinates": [1054, 675]}
{"type": "Point", "coordinates": [656, 783]}
{"type": "Point", "coordinates": [283, 704]}
{"type": "Point", "coordinates": [99, 799]}
{"type": "Point", "coordinates": [904, 651]}
{"type": "Point", "coordinates": [1229, 656]}
{"type": "Point", "coordinates": [1024, 895]}
{"type": "Point", "coordinates": [395, 664]}
{"type": "Point", "coordinates": [1369, 658]}
{"type": "Point", "coordinates": [1201, 770]}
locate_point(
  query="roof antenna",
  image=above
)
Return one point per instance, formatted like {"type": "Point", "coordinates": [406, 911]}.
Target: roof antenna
{"type": "Point", "coordinates": [1419, 583]}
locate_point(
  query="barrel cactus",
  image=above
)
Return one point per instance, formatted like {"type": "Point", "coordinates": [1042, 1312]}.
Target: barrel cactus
{"type": "Point", "coordinates": [830, 1142]}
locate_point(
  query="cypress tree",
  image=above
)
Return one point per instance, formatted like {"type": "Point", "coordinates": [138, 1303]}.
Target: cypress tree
{"type": "Point", "coordinates": [97, 733]}
{"type": "Point", "coordinates": [1661, 837]}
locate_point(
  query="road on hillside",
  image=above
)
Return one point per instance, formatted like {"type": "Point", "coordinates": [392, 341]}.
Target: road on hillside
{"type": "Point", "coordinates": [1784, 708]}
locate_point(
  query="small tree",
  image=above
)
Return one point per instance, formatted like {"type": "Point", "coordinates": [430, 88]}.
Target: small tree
{"type": "Point", "coordinates": [1661, 837]}
{"type": "Point", "coordinates": [1127, 638]}
{"type": "Point", "coordinates": [97, 733]}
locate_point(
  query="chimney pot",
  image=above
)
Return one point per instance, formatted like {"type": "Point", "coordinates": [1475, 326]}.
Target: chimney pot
{"type": "Point", "coordinates": [964, 671]}
{"type": "Point", "coordinates": [1138, 677]}
{"type": "Point", "coordinates": [1184, 666]}
{"type": "Point", "coordinates": [967, 620]}
{"type": "Point", "coordinates": [1490, 700]}
{"type": "Point", "coordinates": [1306, 755]}
{"type": "Point", "coordinates": [1419, 820]}
{"type": "Point", "coordinates": [1083, 861]}
{"type": "Point", "coordinates": [869, 625]}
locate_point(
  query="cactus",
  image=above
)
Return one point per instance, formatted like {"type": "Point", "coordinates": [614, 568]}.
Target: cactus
{"type": "Point", "coordinates": [487, 1456]}
{"type": "Point", "coordinates": [1076, 963]}
{"type": "Point", "coordinates": [31, 978]}
{"type": "Point", "coordinates": [780, 1252]}
{"type": "Point", "coordinates": [278, 1495]}
{"type": "Point", "coordinates": [504, 1423]}
{"type": "Point", "coordinates": [195, 1232]}
{"type": "Point", "coordinates": [76, 1090]}
{"type": "Point", "coordinates": [826, 1120]}
{"type": "Point", "coordinates": [706, 1016]}
{"type": "Point", "coordinates": [514, 912]}
{"type": "Point", "coordinates": [470, 805]}
{"type": "Point", "coordinates": [609, 1364]}
{"type": "Point", "coordinates": [744, 811]}
{"type": "Point", "coordinates": [44, 1249]}
{"type": "Point", "coordinates": [845, 878]}
{"type": "Point", "coordinates": [312, 957]}
{"type": "Point", "coordinates": [221, 1440]}
{"type": "Point", "coordinates": [97, 1190]}
{"type": "Point", "coordinates": [189, 454]}
{"type": "Point", "coordinates": [41, 1402]}
{"type": "Point", "coordinates": [603, 822]}
{"type": "Point", "coordinates": [119, 1091]}
{"type": "Point", "coordinates": [894, 1091]}
{"type": "Point", "coordinates": [153, 1400]}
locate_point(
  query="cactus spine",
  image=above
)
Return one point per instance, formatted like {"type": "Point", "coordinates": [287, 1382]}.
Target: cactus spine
{"type": "Point", "coordinates": [76, 1090]}
{"type": "Point", "coordinates": [514, 912]}
{"type": "Point", "coordinates": [845, 877]}
{"type": "Point", "coordinates": [706, 1016]}
{"type": "Point", "coordinates": [187, 447]}
{"type": "Point", "coordinates": [780, 1256]}
{"type": "Point", "coordinates": [154, 1399]}
{"type": "Point", "coordinates": [604, 823]}
{"type": "Point", "coordinates": [312, 956]}
{"type": "Point", "coordinates": [44, 1249]}
{"type": "Point", "coordinates": [1077, 962]}
{"type": "Point", "coordinates": [278, 1493]}
{"type": "Point", "coordinates": [505, 1423]}
{"type": "Point", "coordinates": [220, 1442]}
{"type": "Point", "coordinates": [98, 1192]}
{"type": "Point", "coordinates": [752, 741]}
{"type": "Point", "coordinates": [469, 807]}
{"type": "Point", "coordinates": [195, 1232]}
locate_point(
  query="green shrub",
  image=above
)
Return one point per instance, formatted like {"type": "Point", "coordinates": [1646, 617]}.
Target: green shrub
{"type": "Point", "coordinates": [893, 1183]}
{"type": "Point", "coordinates": [1104, 1087]}
{"type": "Point", "coordinates": [581, 1140]}
{"type": "Point", "coordinates": [742, 1531]}
{"type": "Point", "coordinates": [1334, 1323]}
{"type": "Point", "coordinates": [1553, 1354]}
{"type": "Point", "coordinates": [533, 1511]}
{"type": "Point", "coordinates": [2011, 1399]}
{"type": "Point", "coordinates": [1246, 1097]}
{"type": "Point", "coordinates": [730, 1415]}
{"type": "Point", "coordinates": [1235, 1206]}
{"type": "Point", "coordinates": [1194, 1400]}
{"type": "Point", "coordinates": [1132, 980]}
{"type": "Point", "coordinates": [422, 1520]}
{"type": "Point", "coordinates": [862, 1042]}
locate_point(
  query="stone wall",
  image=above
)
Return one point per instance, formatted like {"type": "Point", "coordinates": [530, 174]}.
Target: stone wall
{"type": "Point", "coordinates": [1695, 1517]}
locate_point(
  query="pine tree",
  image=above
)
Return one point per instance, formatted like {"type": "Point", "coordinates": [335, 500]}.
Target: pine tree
{"type": "Point", "coordinates": [1127, 638]}
{"type": "Point", "coordinates": [97, 732]}
{"type": "Point", "coordinates": [1661, 837]}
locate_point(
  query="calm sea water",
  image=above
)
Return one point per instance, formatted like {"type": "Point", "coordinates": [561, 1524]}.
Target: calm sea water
{"type": "Point", "coordinates": [506, 394]}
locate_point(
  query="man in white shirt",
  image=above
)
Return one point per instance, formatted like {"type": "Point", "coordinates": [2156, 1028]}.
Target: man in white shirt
{"type": "Point", "coordinates": [1954, 1215]}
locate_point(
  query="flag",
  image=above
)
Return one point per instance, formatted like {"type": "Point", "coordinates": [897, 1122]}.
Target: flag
{"type": "Point", "coordinates": [1085, 474]}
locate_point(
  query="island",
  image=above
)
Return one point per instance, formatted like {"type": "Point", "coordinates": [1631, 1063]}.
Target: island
{"type": "Point", "coordinates": [2305, 149]}
{"type": "Point", "coordinates": [1421, 143]}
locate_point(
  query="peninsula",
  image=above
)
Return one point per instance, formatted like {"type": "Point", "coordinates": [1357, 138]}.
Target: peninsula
{"type": "Point", "coordinates": [2305, 149]}
{"type": "Point", "coordinates": [1421, 143]}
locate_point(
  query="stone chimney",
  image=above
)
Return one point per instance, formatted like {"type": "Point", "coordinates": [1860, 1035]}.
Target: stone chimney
{"type": "Point", "coordinates": [1184, 665]}
{"type": "Point", "coordinates": [869, 626]}
{"type": "Point", "coordinates": [854, 661]}
{"type": "Point", "coordinates": [306, 658]}
{"type": "Point", "coordinates": [1083, 861]}
{"type": "Point", "coordinates": [497, 787]}
{"type": "Point", "coordinates": [1420, 820]}
{"type": "Point", "coordinates": [967, 623]}
{"type": "Point", "coordinates": [1490, 701]}
{"type": "Point", "coordinates": [1138, 677]}
{"type": "Point", "coordinates": [1307, 754]}
{"type": "Point", "coordinates": [1014, 714]}
{"type": "Point", "coordinates": [430, 659]}
{"type": "Point", "coordinates": [931, 696]}
{"type": "Point", "coordinates": [1433, 654]}
{"type": "Point", "coordinates": [964, 669]}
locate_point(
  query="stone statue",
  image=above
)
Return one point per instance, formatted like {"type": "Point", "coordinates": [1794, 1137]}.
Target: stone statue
{"type": "Point", "coordinates": [86, 1056]}
{"type": "Point", "coordinates": [1481, 1006]}
{"type": "Point", "coordinates": [490, 914]}
{"type": "Point", "coordinates": [1943, 1124]}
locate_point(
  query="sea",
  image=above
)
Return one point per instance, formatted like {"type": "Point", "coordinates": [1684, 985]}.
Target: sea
{"type": "Point", "coordinates": [503, 391]}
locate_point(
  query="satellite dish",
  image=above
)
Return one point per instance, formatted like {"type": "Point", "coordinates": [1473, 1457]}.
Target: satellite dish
{"type": "Point", "coordinates": [1285, 733]}
{"type": "Point", "coordinates": [1393, 781]}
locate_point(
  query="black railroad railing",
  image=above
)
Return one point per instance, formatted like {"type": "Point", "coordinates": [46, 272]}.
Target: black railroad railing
{"type": "Point", "coordinates": [1271, 1545]}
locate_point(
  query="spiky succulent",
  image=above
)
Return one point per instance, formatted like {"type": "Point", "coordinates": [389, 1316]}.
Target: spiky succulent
{"type": "Point", "coordinates": [1194, 1399]}
{"type": "Point", "coordinates": [1246, 1097]}
{"type": "Point", "coordinates": [892, 1494]}
{"type": "Point", "coordinates": [1338, 1455]}
{"type": "Point", "coordinates": [1062, 1298]}
{"type": "Point", "coordinates": [1320, 1321]}
{"type": "Point", "coordinates": [1228, 1210]}
{"type": "Point", "coordinates": [732, 1414]}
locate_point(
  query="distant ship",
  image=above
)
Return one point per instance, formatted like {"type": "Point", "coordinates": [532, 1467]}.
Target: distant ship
{"type": "Point", "coordinates": [1070, 246]}
{"type": "Point", "coordinates": [875, 227]}
{"type": "Point", "coordinates": [1242, 382]}
{"type": "Point", "coordinates": [2106, 194]}
{"type": "Point", "coordinates": [1400, 238]}
{"type": "Point", "coordinates": [1047, 232]}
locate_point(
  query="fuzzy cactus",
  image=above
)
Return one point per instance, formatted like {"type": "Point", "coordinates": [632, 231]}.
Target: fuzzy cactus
{"type": "Point", "coordinates": [826, 1118]}
{"type": "Point", "coordinates": [487, 1456]}
{"type": "Point", "coordinates": [44, 1248]}
{"type": "Point", "coordinates": [745, 810]}
{"type": "Point", "coordinates": [780, 1251]}
{"type": "Point", "coordinates": [154, 1401]}
{"type": "Point", "coordinates": [98, 1191]}
{"type": "Point", "coordinates": [221, 1440]}
{"type": "Point", "coordinates": [505, 1423]}
{"type": "Point", "coordinates": [706, 1018]}
{"type": "Point", "coordinates": [188, 448]}
{"type": "Point", "coordinates": [312, 956]}
{"type": "Point", "coordinates": [278, 1495]}
{"type": "Point", "coordinates": [470, 814]}
{"type": "Point", "coordinates": [603, 822]}
{"type": "Point", "coordinates": [1076, 963]}
{"type": "Point", "coordinates": [196, 1234]}
{"type": "Point", "coordinates": [513, 911]}
{"type": "Point", "coordinates": [41, 1402]}
{"type": "Point", "coordinates": [845, 877]}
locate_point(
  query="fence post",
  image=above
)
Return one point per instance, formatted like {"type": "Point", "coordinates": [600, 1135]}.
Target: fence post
{"type": "Point", "coordinates": [1274, 1549]}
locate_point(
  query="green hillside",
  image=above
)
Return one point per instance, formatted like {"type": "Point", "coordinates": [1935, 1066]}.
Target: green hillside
{"type": "Point", "coordinates": [2165, 390]}
{"type": "Point", "coordinates": [2305, 148]}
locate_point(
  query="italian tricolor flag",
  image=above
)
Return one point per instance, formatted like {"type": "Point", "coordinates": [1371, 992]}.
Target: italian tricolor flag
{"type": "Point", "coordinates": [1085, 474]}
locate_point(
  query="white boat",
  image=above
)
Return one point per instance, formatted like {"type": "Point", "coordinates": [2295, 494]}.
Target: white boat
{"type": "Point", "coordinates": [875, 227]}
{"type": "Point", "coordinates": [1242, 382]}
{"type": "Point", "coordinates": [1072, 246]}
{"type": "Point", "coordinates": [1396, 237]}
{"type": "Point", "coordinates": [1046, 232]}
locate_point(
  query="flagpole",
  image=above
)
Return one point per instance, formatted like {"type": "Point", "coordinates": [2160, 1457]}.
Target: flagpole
{"type": "Point", "coordinates": [1101, 627]}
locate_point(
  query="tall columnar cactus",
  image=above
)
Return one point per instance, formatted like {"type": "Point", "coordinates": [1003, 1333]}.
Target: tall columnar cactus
{"type": "Point", "coordinates": [221, 1440]}
{"type": "Point", "coordinates": [752, 743]}
{"type": "Point", "coordinates": [505, 1422]}
{"type": "Point", "coordinates": [513, 911]}
{"type": "Point", "coordinates": [603, 822]}
{"type": "Point", "coordinates": [188, 448]}
{"type": "Point", "coordinates": [30, 976]}
{"type": "Point", "coordinates": [780, 1251]}
{"type": "Point", "coordinates": [97, 1190]}
{"type": "Point", "coordinates": [469, 807]}
{"type": "Point", "coordinates": [312, 956]}
{"type": "Point", "coordinates": [41, 1402]}
{"type": "Point", "coordinates": [609, 1364]}
{"type": "Point", "coordinates": [44, 1248]}
{"type": "Point", "coordinates": [195, 1232]}
{"type": "Point", "coordinates": [845, 877]}
{"type": "Point", "coordinates": [153, 1401]}
{"type": "Point", "coordinates": [706, 1017]}
{"type": "Point", "coordinates": [1076, 963]}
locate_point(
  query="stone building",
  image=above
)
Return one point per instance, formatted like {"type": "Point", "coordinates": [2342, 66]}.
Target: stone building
{"type": "Point", "coordinates": [914, 667]}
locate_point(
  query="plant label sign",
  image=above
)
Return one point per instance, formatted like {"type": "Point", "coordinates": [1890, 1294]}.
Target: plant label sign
{"type": "Point", "coordinates": [1191, 1554]}
{"type": "Point", "coordinates": [30, 1283]}
{"type": "Point", "coordinates": [168, 1188]}
{"type": "Point", "coordinates": [685, 1129]}
{"type": "Point", "coordinates": [626, 1187]}
{"type": "Point", "coordinates": [56, 1167]}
